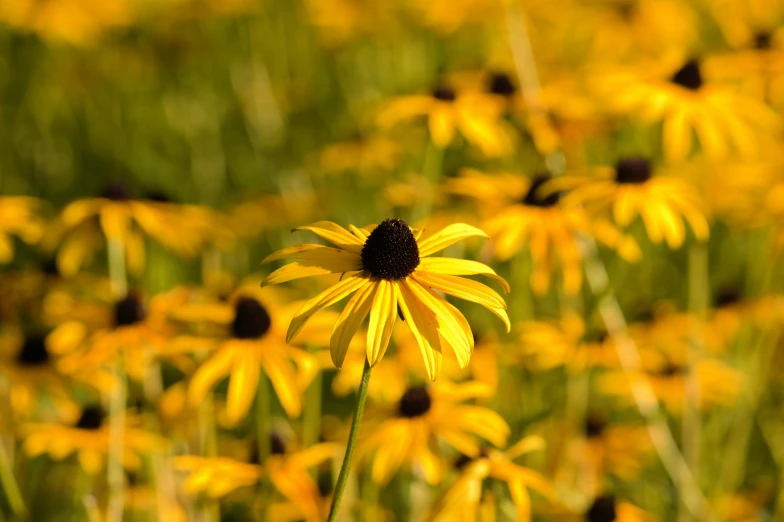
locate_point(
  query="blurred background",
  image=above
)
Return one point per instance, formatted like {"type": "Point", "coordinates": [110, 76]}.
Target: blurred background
{"type": "Point", "coordinates": [624, 157]}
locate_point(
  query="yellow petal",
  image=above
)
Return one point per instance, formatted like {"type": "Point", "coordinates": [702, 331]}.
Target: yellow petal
{"type": "Point", "coordinates": [448, 236]}
{"type": "Point", "coordinates": [284, 381]}
{"type": "Point", "coordinates": [242, 387]}
{"type": "Point", "coordinates": [326, 298]}
{"type": "Point", "coordinates": [383, 313]}
{"type": "Point", "coordinates": [460, 267]}
{"type": "Point", "coordinates": [210, 372]}
{"type": "Point", "coordinates": [115, 221]}
{"type": "Point", "coordinates": [462, 288]}
{"type": "Point", "coordinates": [442, 125]}
{"type": "Point", "coordinates": [423, 325]}
{"type": "Point", "coordinates": [335, 234]}
{"type": "Point", "coordinates": [349, 321]}
{"type": "Point", "coordinates": [313, 261]}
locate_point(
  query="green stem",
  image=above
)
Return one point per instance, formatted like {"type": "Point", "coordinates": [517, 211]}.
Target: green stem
{"type": "Point", "coordinates": [10, 487]}
{"type": "Point", "coordinates": [352, 442]}
{"type": "Point", "coordinates": [263, 414]}
{"type": "Point", "coordinates": [312, 415]}
{"type": "Point", "coordinates": [115, 475]}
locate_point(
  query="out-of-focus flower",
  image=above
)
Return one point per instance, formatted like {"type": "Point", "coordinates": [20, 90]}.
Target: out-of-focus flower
{"type": "Point", "coordinates": [339, 21]}
{"type": "Point", "coordinates": [366, 155]}
{"type": "Point", "coordinates": [287, 469]}
{"type": "Point", "coordinates": [518, 215]}
{"type": "Point", "coordinates": [389, 270]}
{"type": "Point", "coordinates": [665, 203]}
{"type": "Point", "coordinates": [463, 500]}
{"type": "Point", "coordinates": [477, 116]}
{"type": "Point", "coordinates": [408, 431]}
{"type": "Point", "coordinates": [19, 216]}
{"type": "Point", "coordinates": [78, 22]}
{"type": "Point", "coordinates": [89, 439]}
{"type": "Point", "coordinates": [116, 216]}
{"type": "Point", "coordinates": [253, 340]}
{"type": "Point", "coordinates": [685, 103]}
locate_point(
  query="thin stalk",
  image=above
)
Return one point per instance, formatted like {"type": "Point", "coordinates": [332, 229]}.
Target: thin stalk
{"type": "Point", "coordinates": [10, 487]}
{"type": "Point", "coordinates": [312, 415]}
{"type": "Point", "coordinates": [114, 469]}
{"type": "Point", "coordinates": [352, 442]}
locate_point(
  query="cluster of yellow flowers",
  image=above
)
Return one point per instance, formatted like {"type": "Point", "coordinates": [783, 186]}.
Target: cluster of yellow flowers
{"type": "Point", "coordinates": [612, 169]}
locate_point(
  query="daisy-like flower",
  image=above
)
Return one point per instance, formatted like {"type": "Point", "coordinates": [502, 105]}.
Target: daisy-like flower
{"type": "Point", "coordinates": [478, 117]}
{"type": "Point", "coordinates": [408, 431]}
{"type": "Point", "coordinates": [117, 216]}
{"type": "Point", "coordinates": [685, 104]}
{"type": "Point", "coordinates": [19, 216]}
{"type": "Point", "coordinates": [30, 366]}
{"type": "Point", "coordinates": [254, 340]}
{"type": "Point", "coordinates": [388, 270]}
{"type": "Point", "coordinates": [665, 203]}
{"type": "Point", "coordinates": [608, 508]}
{"type": "Point", "coordinates": [89, 439]}
{"type": "Point", "coordinates": [463, 500]}
{"type": "Point", "coordinates": [286, 467]}
{"type": "Point", "coordinates": [517, 214]}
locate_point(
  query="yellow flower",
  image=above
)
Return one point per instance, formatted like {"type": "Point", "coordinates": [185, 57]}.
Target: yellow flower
{"type": "Point", "coordinates": [18, 217]}
{"type": "Point", "coordinates": [516, 214]}
{"type": "Point", "coordinates": [610, 509]}
{"type": "Point", "coordinates": [409, 431]}
{"type": "Point", "coordinates": [116, 217]}
{"type": "Point", "coordinates": [722, 118]}
{"type": "Point", "coordinates": [478, 117]}
{"type": "Point", "coordinates": [30, 364]}
{"type": "Point", "coordinates": [564, 343]}
{"type": "Point", "coordinates": [367, 155]}
{"type": "Point", "coordinates": [665, 203]}
{"type": "Point", "coordinates": [78, 22]}
{"type": "Point", "coordinates": [254, 340]}
{"type": "Point", "coordinates": [89, 439]}
{"type": "Point", "coordinates": [617, 449]}
{"type": "Point", "coordinates": [286, 468]}
{"type": "Point", "coordinates": [463, 499]}
{"type": "Point", "coordinates": [388, 269]}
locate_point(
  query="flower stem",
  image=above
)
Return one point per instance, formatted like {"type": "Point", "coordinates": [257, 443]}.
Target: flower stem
{"type": "Point", "coordinates": [115, 475]}
{"type": "Point", "coordinates": [10, 487]}
{"type": "Point", "coordinates": [263, 432]}
{"type": "Point", "coordinates": [352, 441]}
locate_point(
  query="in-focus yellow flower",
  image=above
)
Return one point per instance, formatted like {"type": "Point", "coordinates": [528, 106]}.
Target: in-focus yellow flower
{"type": "Point", "coordinates": [517, 215]}
{"type": "Point", "coordinates": [287, 469]}
{"type": "Point", "coordinates": [116, 216]}
{"type": "Point", "coordinates": [665, 203]}
{"type": "Point", "coordinates": [388, 270]}
{"type": "Point", "coordinates": [409, 431]}
{"type": "Point", "coordinates": [254, 341]}
{"type": "Point", "coordinates": [478, 117]}
{"type": "Point", "coordinates": [463, 500]}
{"type": "Point", "coordinates": [19, 216]}
{"type": "Point", "coordinates": [722, 118]}
{"type": "Point", "coordinates": [89, 439]}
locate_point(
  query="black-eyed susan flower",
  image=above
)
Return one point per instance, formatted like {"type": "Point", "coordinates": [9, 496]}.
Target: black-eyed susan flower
{"type": "Point", "coordinates": [618, 449]}
{"type": "Point", "coordinates": [116, 216]}
{"type": "Point", "coordinates": [477, 116]}
{"type": "Point", "coordinates": [254, 340]}
{"type": "Point", "coordinates": [407, 432]}
{"type": "Point", "coordinates": [89, 439]}
{"type": "Point", "coordinates": [463, 500]}
{"type": "Point", "coordinates": [680, 98]}
{"type": "Point", "coordinates": [518, 215]}
{"type": "Point", "coordinates": [608, 508]}
{"type": "Point", "coordinates": [387, 268]}
{"type": "Point", "coordinates": [666, 203]}
{"type": "Point", "coordinates": [19, 216]}
{"type": "Point", "coordinates": [286, 467]}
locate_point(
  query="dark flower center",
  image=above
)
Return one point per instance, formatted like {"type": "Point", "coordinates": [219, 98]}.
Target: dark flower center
{"type": "Point", "coordinates": [688, 76]}
{"type": "Point", "coordinates": [91, 419]}
{"type": "Point", "coordinates": [157, 196]}
{"type": "Point", "coordinates": [501, 84]}
{"type": "Point", "coordinates": [49, 267]}
{"type": "Point", "coordinates": [464, 460]}
{"type": "Point", "coordinates": [33, 352]}
{"type": "Point", "coordinates": [728, 297]}
{"type": "Point", "coordinates": [415, 402]}
{"type": "Point", "coordinates": [391, 251]}
{"type": "Point", "coordinates": [633, 170]}
{"type": "Point", "coordinates": [602, 510]}
{"type": "Point", "coordinates": [671, 370]}
{"type": "Point", "coordinates": [277, 447]}
{"type": "Point", "coordinates": [251, 320]}
{"type": "Point", "coordinates": [534, 198]}
{"type": "Point", "coordinates": [762, 41]}
{"type": "Point", "coordinates": [117, 191]}
{"type": "Point", "coordinates": [594, 426]}
{"type": "Point", "coordinates": [444, 93]}
{"type": "Point", "coordinates": [129, 311]}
